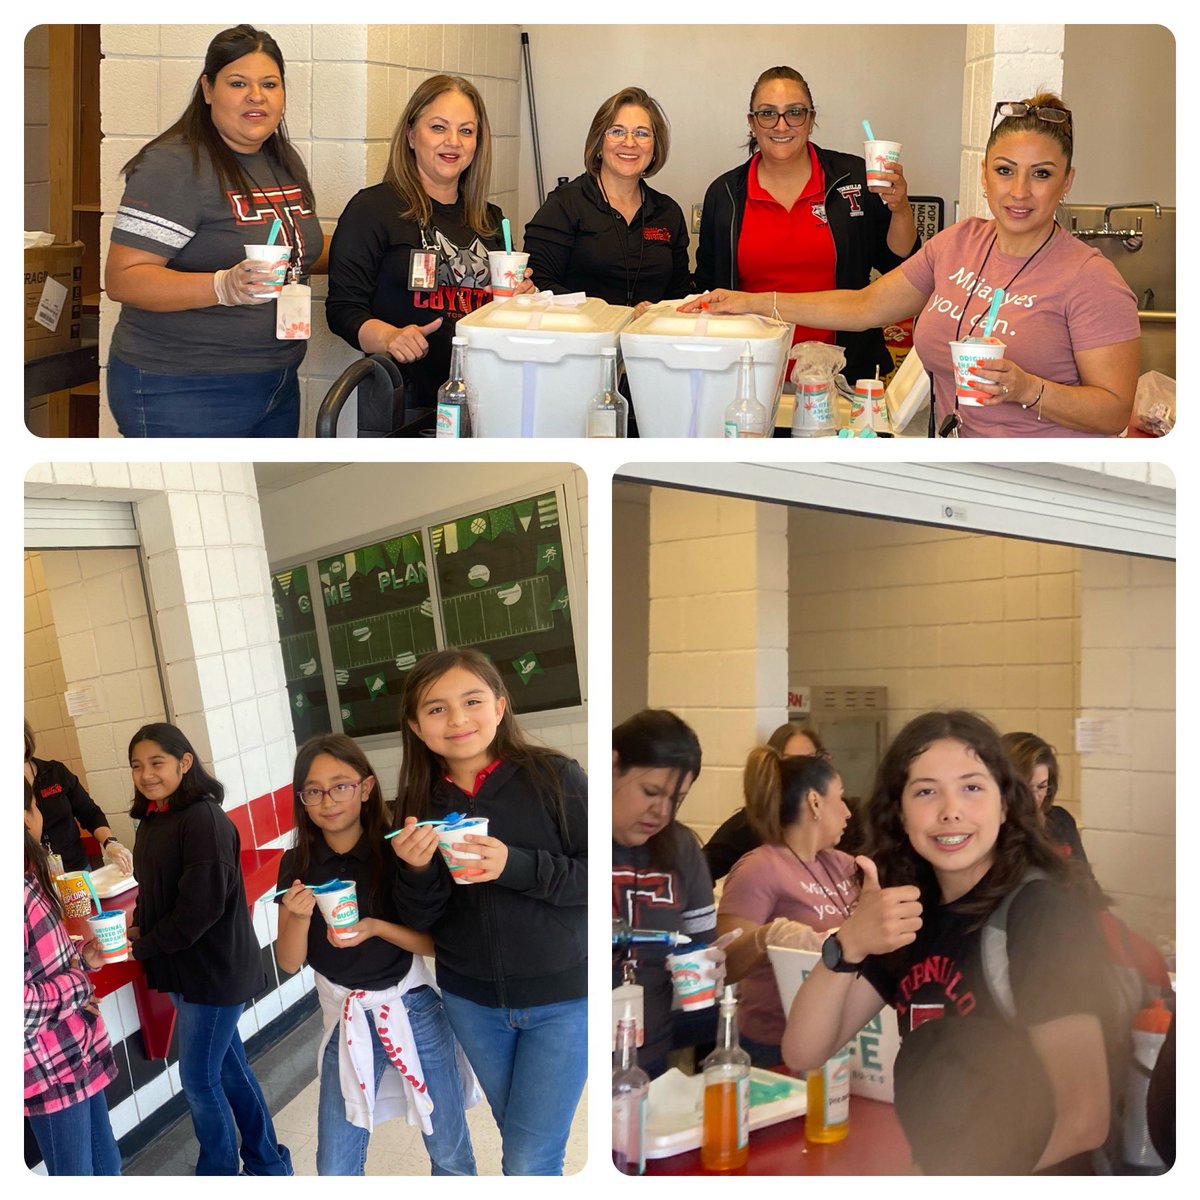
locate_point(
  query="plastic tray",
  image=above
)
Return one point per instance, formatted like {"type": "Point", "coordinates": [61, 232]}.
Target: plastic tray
{"type": "Point", "coordinates": [679, 1130]}
{"type": "Point", "coordinates": [108, 881]}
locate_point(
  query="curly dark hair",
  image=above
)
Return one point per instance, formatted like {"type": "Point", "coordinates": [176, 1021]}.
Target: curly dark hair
{"type": "Point", "coordinates": [1020, 844]}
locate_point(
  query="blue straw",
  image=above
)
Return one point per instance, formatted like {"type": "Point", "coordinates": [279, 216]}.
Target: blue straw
{"type": "Point", "coordinates": [867, 130]}
{"type": "Point", "coordinates": [275, 228]}
{"type": "Point", "coordinates": [507, 230]}
{"type": "Point", "coordinates": [990, 319]}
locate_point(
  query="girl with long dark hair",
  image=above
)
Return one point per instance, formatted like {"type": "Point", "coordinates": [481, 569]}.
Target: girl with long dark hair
{"type": "Point", "coordinates": [193, 936]}
{"type": "Point", "coordinates": [68, 1058]}
{"type": "Point", "coordinates": [387, 1049]}
{"type": "Point", "coordinates": [195, 352]}
{"type": "Point", "coordinates": [953, 830]}
{"type": "Point", "coordinates": [511, 937]}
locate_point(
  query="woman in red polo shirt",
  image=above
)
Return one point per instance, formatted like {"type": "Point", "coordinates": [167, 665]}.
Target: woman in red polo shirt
{"type": "Point", "coordinates": [799, 218]}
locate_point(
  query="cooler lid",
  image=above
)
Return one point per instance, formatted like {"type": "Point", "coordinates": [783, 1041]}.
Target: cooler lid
{"type": "Point", "coordinates": [664, 320]}
{"type": "Point", "coordinates": [592, 316]}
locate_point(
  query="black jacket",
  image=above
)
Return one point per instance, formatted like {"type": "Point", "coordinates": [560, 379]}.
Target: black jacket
{"type": "Point", "coordinates": [196, 936]}
{"type": "Point", "coordinates": [64, 805]}
{"type": "Point", "coordinates": [521, 940]}
{"type": "Point", "coordinates": [858, 220]}
{"type": "Point", "coordinates": [578, 243]}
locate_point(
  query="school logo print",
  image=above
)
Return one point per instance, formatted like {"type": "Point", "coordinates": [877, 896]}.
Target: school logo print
{"type": "Point", "coordinates": [852, 192]}
{"type": "Point", "coordinates": [264, 205]}
{"type": "Point", "coordinates": [818, 211]}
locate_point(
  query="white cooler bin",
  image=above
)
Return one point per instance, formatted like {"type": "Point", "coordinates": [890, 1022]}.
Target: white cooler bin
{"type": "Point", "coordinates": [683, 367]}
{"type": "Point", "coordinates": [535, 366]}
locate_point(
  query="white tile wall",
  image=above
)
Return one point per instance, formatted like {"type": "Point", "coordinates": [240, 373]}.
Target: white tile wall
{"type": "Point", "coordinates": [347, 85]}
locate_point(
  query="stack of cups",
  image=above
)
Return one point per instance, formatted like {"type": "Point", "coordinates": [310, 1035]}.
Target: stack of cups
{"type": "Point", "coordinates": [867, 402]}
{"type": "Point", "coordinates": [813, 415]}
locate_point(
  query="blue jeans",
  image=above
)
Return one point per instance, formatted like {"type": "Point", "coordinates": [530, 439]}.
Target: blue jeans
{"type": "Point", "coordinates": [223, 1094]}
{"type": "Point", "coordinates": [258, 404]}
{"type": "Point", "coordinates": [342, 1147]}
{"type": "Point", "coordinates": [532, 1065]}
{"type": "Point", "coordinates": [78, 1140]}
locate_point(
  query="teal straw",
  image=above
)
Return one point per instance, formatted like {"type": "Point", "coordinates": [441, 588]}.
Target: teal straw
{"type": "Point", "coordinates": [87, 878]}
{"type": "Point", "coordinates": [507, 230]}
{"type": "Point", "coordinates": [867, 130]}
{"type": "Point", "coordinates": [274, 231]}
{"type": "Point", "coordinates": [990, 319]}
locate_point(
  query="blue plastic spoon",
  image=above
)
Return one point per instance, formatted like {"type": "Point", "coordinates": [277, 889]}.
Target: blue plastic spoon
{"type": "Point", "coordinates": [993, 309]}
{"type": "Point", "coordinates": [450, 819]}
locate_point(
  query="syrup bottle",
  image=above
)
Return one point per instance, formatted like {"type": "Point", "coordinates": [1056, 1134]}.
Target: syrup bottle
{"type": "Point", "coordinates": [725, 1140]}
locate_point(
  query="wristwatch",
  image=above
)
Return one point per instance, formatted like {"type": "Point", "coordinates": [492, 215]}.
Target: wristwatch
{"type": "Point", "coordinates": [831, 956]}
{"type": "Point", "coordinates": [105, 844]}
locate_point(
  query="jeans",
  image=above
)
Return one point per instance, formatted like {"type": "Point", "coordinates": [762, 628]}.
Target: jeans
{"type": "Point", "coordinates": [342, 1147]}
{"type": "Point", "coordinates": [532, 1065]}
{"type": "Point", "coordinates": [256, 404]}
{"type": "Point", "coordinates": [78, 1140]}
{"type": "Point", "coordinates": [222, 1093]}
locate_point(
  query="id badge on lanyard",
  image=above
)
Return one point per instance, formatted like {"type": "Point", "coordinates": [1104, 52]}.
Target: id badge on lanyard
{"type": "Point", "coordinates": [423, 264]}
{"type": "Point", "coordinates": [293, 309]}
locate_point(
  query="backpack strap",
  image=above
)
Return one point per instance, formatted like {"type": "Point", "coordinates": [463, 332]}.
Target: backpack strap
{"type": "Point", "coordinates": [994, 948]}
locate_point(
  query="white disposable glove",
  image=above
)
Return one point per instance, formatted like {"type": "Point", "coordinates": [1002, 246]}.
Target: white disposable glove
{"type": "Point", "coordinates": [238, 284]}
{"type": "Point", "coordinates": [716, 954]}
{"type": "Point", "coordinates": [794, 935]}
{"type": "Point", "coordinates": [119, 857]}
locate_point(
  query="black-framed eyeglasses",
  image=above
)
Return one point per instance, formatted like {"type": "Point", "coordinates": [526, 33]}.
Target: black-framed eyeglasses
{"type": "Point", "coordinates": [1018, 108]}
{"type": "Point", "coordinates": [795, 116]}
{"type": "Point", "coordinates": [313, 796]}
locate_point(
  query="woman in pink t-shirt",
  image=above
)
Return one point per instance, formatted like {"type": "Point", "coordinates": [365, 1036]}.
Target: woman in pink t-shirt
{"type": "Point", "coordinates": [1068, 320]}
{"type": "Point", "coordinates": [789, 891]}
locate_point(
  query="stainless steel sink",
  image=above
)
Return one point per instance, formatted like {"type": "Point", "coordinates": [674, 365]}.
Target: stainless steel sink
{"type": "Point", "coordinates": [1158, 342]}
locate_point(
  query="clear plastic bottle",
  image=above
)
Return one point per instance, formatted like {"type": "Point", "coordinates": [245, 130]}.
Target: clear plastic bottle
{"type": "Point", "coordinates": [456, 397]}
{"type": "Point", "coordinates": [725, 1140]}
{"type": "Point", "coordinates": [608, 411]}
{"type": "Point", "coordinates": [827, 1118]}
{"type": "Point", "coordinates": [630, 1087]}
{"type": "Point", "coordinates": [746, 417]}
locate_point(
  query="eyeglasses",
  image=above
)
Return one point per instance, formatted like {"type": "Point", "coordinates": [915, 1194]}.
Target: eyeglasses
{"type": "Point", "coordinates": [618, 133]}
{"type": "Point", "coordinates": [313, 796]}
{"type": "Point", "coordinates": [795, 116]}
{"type": "Point", "coordinates": [1018, 108]}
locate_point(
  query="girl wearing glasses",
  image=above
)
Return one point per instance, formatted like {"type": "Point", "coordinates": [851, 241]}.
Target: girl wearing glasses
{"type": "Point", "coordinates": [607, 233]}
{"type": "Point", "coordinates": [659, 877]}
{"type": "Point", "coordinates": [1068, 320]}
{"type": "Point", "coordinates": [511, 930]}
{"type": "Point", "coordinates": [387, 1049]}
{"type": "Point", "coordinates": [192, 934]}
{"type": "Point", "coordinates": [799, 218]}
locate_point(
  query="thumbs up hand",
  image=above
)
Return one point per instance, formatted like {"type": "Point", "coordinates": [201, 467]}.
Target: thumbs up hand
{"type": "Point", "coordinates": [884, 918]}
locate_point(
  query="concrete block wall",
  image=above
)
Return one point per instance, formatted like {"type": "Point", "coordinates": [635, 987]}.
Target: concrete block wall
{"type": "Point", "coordinates": [1003, 62]}
{"type": "Point", "coordinates": [347, 85]}
{"type": "Point", "coordinates": [45, 683]}
{"type": "Point", "coordinates": [37, 117]}
{"type": "Point", "coordinates": [942, 619]}
{"type": "Point", "coordinates": [718, 632]}
{"type": "Point", "coordinates": [103, 635]}
{"type": "Point", "coordinates": [1127, 634]}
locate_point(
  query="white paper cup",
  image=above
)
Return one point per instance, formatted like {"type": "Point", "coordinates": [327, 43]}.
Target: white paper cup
{"type": "Point", "coordinates": [814, 407]}
{"type": "Point", "coordinates": [108, 928]}
{"type": "Point", "coordinates": [506, 271]}
{"type": "Point", "coordinates": [339, 908]}
{"type": "Point", "coordinates": [868, 394]}
{"type": "Point", "coordinates": [963, 357]}
{"type": "Point", "coordinates": [278, 255]}
{"type": "Point", "coordinates": [457, 860]}
{"type": "Point", "coordinates": [879, 156]}
{"type": "Point", "coordinates": [694, 977]}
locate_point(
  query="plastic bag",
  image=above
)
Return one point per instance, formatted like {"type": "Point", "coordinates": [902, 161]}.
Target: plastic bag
{"type": "Point", "coordinates": [1154, 404]}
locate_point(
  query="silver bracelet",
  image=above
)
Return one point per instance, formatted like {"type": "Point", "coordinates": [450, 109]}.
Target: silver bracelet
{"type": "Point", "coordinates": [1037, 401]}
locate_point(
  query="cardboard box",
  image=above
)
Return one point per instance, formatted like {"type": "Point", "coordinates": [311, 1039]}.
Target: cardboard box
{"type": "Point", "coordinates": [52, 318]}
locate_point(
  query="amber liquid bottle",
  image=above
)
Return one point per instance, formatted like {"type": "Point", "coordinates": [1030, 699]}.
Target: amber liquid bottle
{"type": "Point", "coordinates": [828, 1114]}
{"type": "Point", "coordinates": [725, 1139]}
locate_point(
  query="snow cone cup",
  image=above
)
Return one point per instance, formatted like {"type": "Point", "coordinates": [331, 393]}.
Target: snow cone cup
{"type": "Point", "coordinates": [339, 908]}
{"type": "Point", "coordinates": [266, 256]}
{"type": "Point", "coordinates": [868, 395]}
{"type": "Point", "coordinates": [507, 270]}
{"type": "Point", "coordinates": [963, 357]}
{"type": "Point", "coordinates": [880, 156]}
{"type": "Point", "coordinates": [694, 977]}
{"type": "Point", "coordinates": [457, 860]}
{"type": "Point", "coordinates": [108, 928]}
{"type": "Point", "coordinates": [814, 407]}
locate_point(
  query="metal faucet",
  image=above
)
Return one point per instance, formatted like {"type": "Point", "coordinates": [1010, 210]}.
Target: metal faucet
{"type": "Point", "coordinates": [1131, 239]}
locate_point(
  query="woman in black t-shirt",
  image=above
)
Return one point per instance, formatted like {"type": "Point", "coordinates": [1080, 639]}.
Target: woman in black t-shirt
{"type": "Point", "coordinates": [953, 830]}
{"type": "Point", "coordinates": [409, 256]}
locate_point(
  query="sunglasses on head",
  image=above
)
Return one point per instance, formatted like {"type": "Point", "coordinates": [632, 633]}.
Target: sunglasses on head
{"type": "Point", "coordinates": [1018, 108]}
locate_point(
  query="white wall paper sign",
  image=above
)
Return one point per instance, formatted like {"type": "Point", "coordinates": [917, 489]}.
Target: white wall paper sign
{"type": "Point", "coordinates": [1097, 733]}
{"type": "Point", "coordinates": [50, 306]}
{"type": "Point", "coordinates": [83, 700]}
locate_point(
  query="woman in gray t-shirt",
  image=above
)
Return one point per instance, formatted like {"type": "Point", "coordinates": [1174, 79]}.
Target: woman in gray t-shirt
{"type": "Point", "coordinates": [194, 352]}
